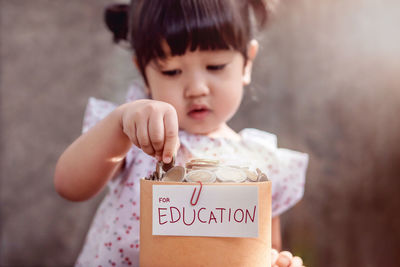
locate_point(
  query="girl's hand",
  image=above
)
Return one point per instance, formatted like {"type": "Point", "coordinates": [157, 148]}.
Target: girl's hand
{"type": "Point", "coordinates": [285, 259]}
{"type": "Point", "coordinates": [152, 126]}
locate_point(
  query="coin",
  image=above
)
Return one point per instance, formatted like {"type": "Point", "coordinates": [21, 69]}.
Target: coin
{"type": "Point", "coordinates": [167, 166]}
{"type": "Point", "coordinates": [200, 176]}
{"type": "Point", "coordinates": [261, 177]}
{"type": "Point", "coordinates": [229, 174]}
{"type": "Point", "coordinates": [252, 176]}
{"type": "Point", "coordinates": [211, 168]}
{"type": "Point", "coordinates": [207, 161]}
{"type": "Point", "coordinates": [175, 174]}
{"type": "Point", "coordinates": [200, 165]}
{"type": "Point", "coordinates": [159, 170]}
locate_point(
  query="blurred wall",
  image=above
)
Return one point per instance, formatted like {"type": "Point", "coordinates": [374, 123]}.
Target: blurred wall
{"type": "Point", "coordinates": [326, 82]}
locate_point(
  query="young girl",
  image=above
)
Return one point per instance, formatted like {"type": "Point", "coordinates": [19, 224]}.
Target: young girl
{"type": "Point", "coordinates": [195, 56]}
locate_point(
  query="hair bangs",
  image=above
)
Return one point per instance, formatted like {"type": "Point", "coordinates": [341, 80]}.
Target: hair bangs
{"type": "Point", "coordinates": [163, 28]}
{"type": "Point", "coordinates": [191, 25]}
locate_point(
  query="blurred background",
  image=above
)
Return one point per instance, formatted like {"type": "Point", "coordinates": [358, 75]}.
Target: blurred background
{"type": "Point", "coordinates": [327, 82]}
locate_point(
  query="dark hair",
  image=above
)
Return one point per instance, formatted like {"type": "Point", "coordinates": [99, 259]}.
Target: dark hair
{"type": "Point", "coordinates": [184, 24]}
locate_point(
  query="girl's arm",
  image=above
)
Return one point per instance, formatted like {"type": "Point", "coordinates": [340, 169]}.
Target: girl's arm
{"type": "Point", "coordinates": [96, 156]}
{"type": "Point", "coordinates": [276, 233]}
{"type": "Point", "coordinates": [92, 159]}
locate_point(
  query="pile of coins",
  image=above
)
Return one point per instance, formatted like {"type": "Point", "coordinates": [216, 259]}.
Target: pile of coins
{"type": "Point", "coordinates": [206, 171]}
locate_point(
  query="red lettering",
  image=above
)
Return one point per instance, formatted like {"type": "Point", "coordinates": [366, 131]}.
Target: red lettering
{"type": "Point", "coordinates": [163, 199]}
{"type": "Point", "coordinates": [229, 220]}
{"type": "Point", "coordinates": [248, 214]}
{"type": "Point", "coordinates": [194, 217]}
{"type": "Point", "coordinates": [172, 215]}
{"type": "Point", "coordinates": [222, 212]}
{"type": "Point", "coordinates": [198, 216]}
{"type": "Point", "coordinates": [159, 216]}
{"type": "Point", "coordinates": [212, 217]}
{"type": "Point", "coordinates": [234, 215]}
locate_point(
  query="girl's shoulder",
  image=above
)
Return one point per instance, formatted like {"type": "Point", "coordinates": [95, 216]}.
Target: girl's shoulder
{"type": "Point", "coordinates": [98, 109]}
{"type": "Point", "coordinates": [252, 143]}
{"type": "Point", "coordinates": [258, 136]}
{"type": "Point", "coordinates": [267, 140]}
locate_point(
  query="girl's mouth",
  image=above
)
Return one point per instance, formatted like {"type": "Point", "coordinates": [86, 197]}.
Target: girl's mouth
{"type": "Point", "coordinates": [199, 113]}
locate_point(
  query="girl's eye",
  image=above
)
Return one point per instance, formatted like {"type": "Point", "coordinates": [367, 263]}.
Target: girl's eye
{"type": "Point", "coordinates": [216, 67]}
{"type": "Point", "coordinates": [171, 72]}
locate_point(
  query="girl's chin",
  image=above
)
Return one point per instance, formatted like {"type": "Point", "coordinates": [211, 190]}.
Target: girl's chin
{"type": "Point", "coordinates": [199, 132]}
{"type": "Point", "coordinates": [199, 129]}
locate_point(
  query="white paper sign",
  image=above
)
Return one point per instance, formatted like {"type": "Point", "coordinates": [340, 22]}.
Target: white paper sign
{"type": "Point", "coordinates": [223, 210]}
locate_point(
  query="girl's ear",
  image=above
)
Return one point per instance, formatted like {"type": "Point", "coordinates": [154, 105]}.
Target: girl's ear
{"type": "Point", "coordinates": [252, 51]}
{"type": "Point", "coordinates": [135, 61]}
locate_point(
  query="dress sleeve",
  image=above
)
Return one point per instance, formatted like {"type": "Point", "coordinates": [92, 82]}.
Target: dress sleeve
{"type": "Point", "coordinates": [96, 110]}
{"type": "Point", "coordinates": [289, 178]}
{"type": "Point", "coordinates": [285, 168]}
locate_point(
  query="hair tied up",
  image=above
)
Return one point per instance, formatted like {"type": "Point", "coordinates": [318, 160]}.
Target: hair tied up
{"type": "Point", "coordinates": [260, 11]}
{"type": "Point", "coordinates": [116, 19]}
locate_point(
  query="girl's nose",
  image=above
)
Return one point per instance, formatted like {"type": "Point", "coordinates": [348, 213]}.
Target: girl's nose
{"type": "Point", "coordinates": [196, 87]}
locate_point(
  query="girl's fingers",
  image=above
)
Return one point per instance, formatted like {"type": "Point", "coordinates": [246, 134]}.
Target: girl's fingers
{"type": "Point", "coordinates": [274, 256]}
{"type": "Point", "coordinates": [287, 254]}
{"type": "Point", "coordinates": [178, 144]}
{"type": "Point", "coordinates": [284, 259]}
{"type": "Point", "coordinates": [133, 136]}
{"type": "Point", "coordinates": [129, 129]}
{"type": "Point", "coordinates": [156, 133]}
{"type": "Point", "coordinates": [170, 134]}
{"type": "Point", "coordinates": [143, 136]}
{"type": "Point", "coordinates": [296, 262]}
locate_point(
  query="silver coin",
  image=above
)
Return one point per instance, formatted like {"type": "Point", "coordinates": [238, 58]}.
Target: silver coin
{"type": "Point", "coordinates": [167, 166]}
{"type": "Point", "coordinates": [202, 168]}
{"type": "Point", "coordinates": [229, 174]}
{"type": "Point", "coordinates": [204, 176]}
{"type": "Point", "coordinates": [261, 177]}
{"type": "Point", "coordinates": [198, 166]}
{"type": "Point", "coordinates": [252, 176]}
{"type": "Point", "coordinates": [206, 161]}
{"type": "Point", "coordinates": [175, 174]}
{"type": "Point", "coordinates": [159, 170]}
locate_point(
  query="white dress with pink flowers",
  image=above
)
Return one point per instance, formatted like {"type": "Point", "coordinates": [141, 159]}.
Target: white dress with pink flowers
{"type": "Point", "coordinates": [113, 238]}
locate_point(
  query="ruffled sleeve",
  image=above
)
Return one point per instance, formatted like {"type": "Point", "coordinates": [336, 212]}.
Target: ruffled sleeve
{"type": "Point", "coordinates": [98, 109]}
{"type": "Point", "coordinates": [285, 168]}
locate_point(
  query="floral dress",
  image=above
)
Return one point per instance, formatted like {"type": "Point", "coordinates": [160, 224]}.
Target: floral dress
{"type": "Point", "coordinates": [113, 238]}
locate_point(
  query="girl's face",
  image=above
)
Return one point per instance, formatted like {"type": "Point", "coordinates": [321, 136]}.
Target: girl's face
{"type": "Point", "coordinates": [205, 87]}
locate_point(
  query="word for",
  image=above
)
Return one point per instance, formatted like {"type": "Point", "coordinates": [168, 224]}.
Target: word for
{"type": "Point", "coordinates": [163, 200]}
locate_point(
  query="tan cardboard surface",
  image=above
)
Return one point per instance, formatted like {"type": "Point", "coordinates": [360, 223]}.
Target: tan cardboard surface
{"type": "Point", "coordinates": [159, 251]}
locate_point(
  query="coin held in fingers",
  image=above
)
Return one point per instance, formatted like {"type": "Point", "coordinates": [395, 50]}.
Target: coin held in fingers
{"type": "Point", "coordinates": [167, 166]}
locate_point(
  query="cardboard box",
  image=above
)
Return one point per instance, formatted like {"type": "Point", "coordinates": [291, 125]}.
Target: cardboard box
{"type": "Point", "coordinates": [200, 238]}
